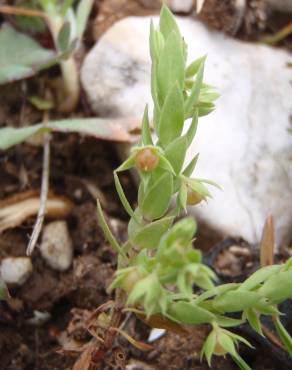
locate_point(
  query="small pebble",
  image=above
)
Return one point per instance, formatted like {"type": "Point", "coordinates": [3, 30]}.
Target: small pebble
{"type": "Point", "coordinates": [15, 270]}
{"type": "Point", "coordinates": [56, 247]}
{"type": "Point", "coordinates": [180, 6]}
{"type": "Point", "coordinates": [156, 334]}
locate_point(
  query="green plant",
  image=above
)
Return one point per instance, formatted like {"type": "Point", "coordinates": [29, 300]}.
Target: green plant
{"type": "Point", "coordinates": [158, 266]}
{"type": "Point", "coordinates": [21, 56]}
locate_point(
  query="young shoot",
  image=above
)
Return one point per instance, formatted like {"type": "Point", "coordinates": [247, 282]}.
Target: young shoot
{"type": "Point", "coordinates": [158, 267]}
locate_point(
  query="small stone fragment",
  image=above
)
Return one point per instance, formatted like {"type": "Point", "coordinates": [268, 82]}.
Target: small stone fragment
{"type": "Point", "coordinates": [56, 246]}
{"type": "Point", "coordinates": [180, 6]}
{"type": "Point", "coordinates": [15, 270]}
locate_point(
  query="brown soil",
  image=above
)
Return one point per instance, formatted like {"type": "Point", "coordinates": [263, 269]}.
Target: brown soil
{"type": "Point", "coordinates": [80, 168]}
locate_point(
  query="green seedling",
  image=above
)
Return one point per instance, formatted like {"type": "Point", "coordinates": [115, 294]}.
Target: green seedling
{"type": "Point", "coordinates": [21, 56]}
{"type": "Point", "coordinates": [158, 266]}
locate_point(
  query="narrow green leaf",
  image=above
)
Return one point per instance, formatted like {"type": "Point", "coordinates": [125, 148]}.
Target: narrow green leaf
{"type": "Point", "coordinates": [167, 23]}
{"type": "Point", "coordinates": [20, 55]}
{"type": "Point", "coordinates": [194, 67]}
{"type": "Point", "coordinates": [183, 196]}
{"type": "Point", "coordinates": [149, 235]}
{"type": "Point", "coordinates": [165, 164]}
{"type": "Point", "coordinates": [259, 277]}
{"type": "Point", "coordinates": [235, 301]}
{"type": "Point", "coordinates": [188, 171]}
{"type": "Point", "coordinates": [170, 68]}
{"type": "Point", "coordinates": [107, 232]}
{"type": "Point", "coordinates": [189, 313]}
{"type": "Point", "coordinates": [64, 37]}
{"type": "Point", "coordinates": [193, 98]}
{"type": "Point", "coordinates": [191, 133]}
{"type": "Point", "coordinates": [106, 129]}
{"type": "Point", "coordinates": [228, 322]}
{"type": "Point", "coordinates": [278, 287]}
{"type": "Point", "coordinates": [122, 196]}
{"type": "Point", "coordinates": [241, 363]}
{"type": "Point", "coordinates": [226, 342]}
{"type": "Point", "coordinates": [175, 152]}
{"type": "Point", "coordinates": [158, 197]}
{"type": "Point", "coordinates": [128, 164]}
{"type": "Point", "coordinates": [146, 131]}
{"type": "Point", "coordinates": [284, 335]}
{"type": "Point", "coordinates": [172, 116]}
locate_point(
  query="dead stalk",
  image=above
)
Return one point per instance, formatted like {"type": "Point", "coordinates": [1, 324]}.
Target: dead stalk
{"type": "Point", "coordinates": [44, 194]}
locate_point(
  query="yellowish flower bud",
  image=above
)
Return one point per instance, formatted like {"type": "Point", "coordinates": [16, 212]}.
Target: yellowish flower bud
{"type": "Point", "coordinates": [146, 160]}
{"type": "Point", "coordinates": [194, 197]}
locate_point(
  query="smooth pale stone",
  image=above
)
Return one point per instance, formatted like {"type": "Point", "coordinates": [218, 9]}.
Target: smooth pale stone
{"type": "Point", "coordinates": [180, 6]}
{"type": "Point", "coordinates": [244, 145]}
{"type": "Point", "coordinates": [15, 270]}
{"type": "Point", "coordinates": [281, 5]}
{"type": "Point", "coordinates": [56, 246]}
{"type": "Point", "coordinates": [156, 334]}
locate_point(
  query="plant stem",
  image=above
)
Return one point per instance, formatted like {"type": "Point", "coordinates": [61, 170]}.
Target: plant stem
{"type": "Point", "coordinates": [71, 88]}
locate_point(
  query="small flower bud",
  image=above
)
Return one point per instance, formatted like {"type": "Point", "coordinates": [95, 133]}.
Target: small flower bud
{"type": "Point", "coordinates": [219, 350]}
{"type": "Point", "coordinates": [146, 160]}
{"type": "Point", "coordinates": [131, 279]}
{"type": "Point", "coordinates": [194, 197]}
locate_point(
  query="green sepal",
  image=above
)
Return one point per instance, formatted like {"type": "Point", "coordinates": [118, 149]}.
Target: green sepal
{"type": "Point", "coordinates": [127, 164]}
{"type": "Point", "coordinates": [253, 318]}
{"type": "Point", "coordinates": [209, 347]}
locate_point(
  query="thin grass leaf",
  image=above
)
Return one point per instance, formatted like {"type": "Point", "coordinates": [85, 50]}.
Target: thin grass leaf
{"type": "Point", "coordinates": [107, 232]}
{"type": "Point", "coordinates": [123, 197]}
{"type": "Point", "coordinates": [284, 335]}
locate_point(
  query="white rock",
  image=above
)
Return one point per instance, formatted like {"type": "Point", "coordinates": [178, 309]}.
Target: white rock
{"type": "Point", "coordinates": [56, 246]}
{"type": "Point", "coordinates": [281, 5]}
{"type": "Point", "coordinates": [156, 334]}
{"type": "Point", "coordinates": [15, 270]}
{"type": "Point", "coordinates": [180, 6]}
{"type": "Point", "coordinates": [244, 145]}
